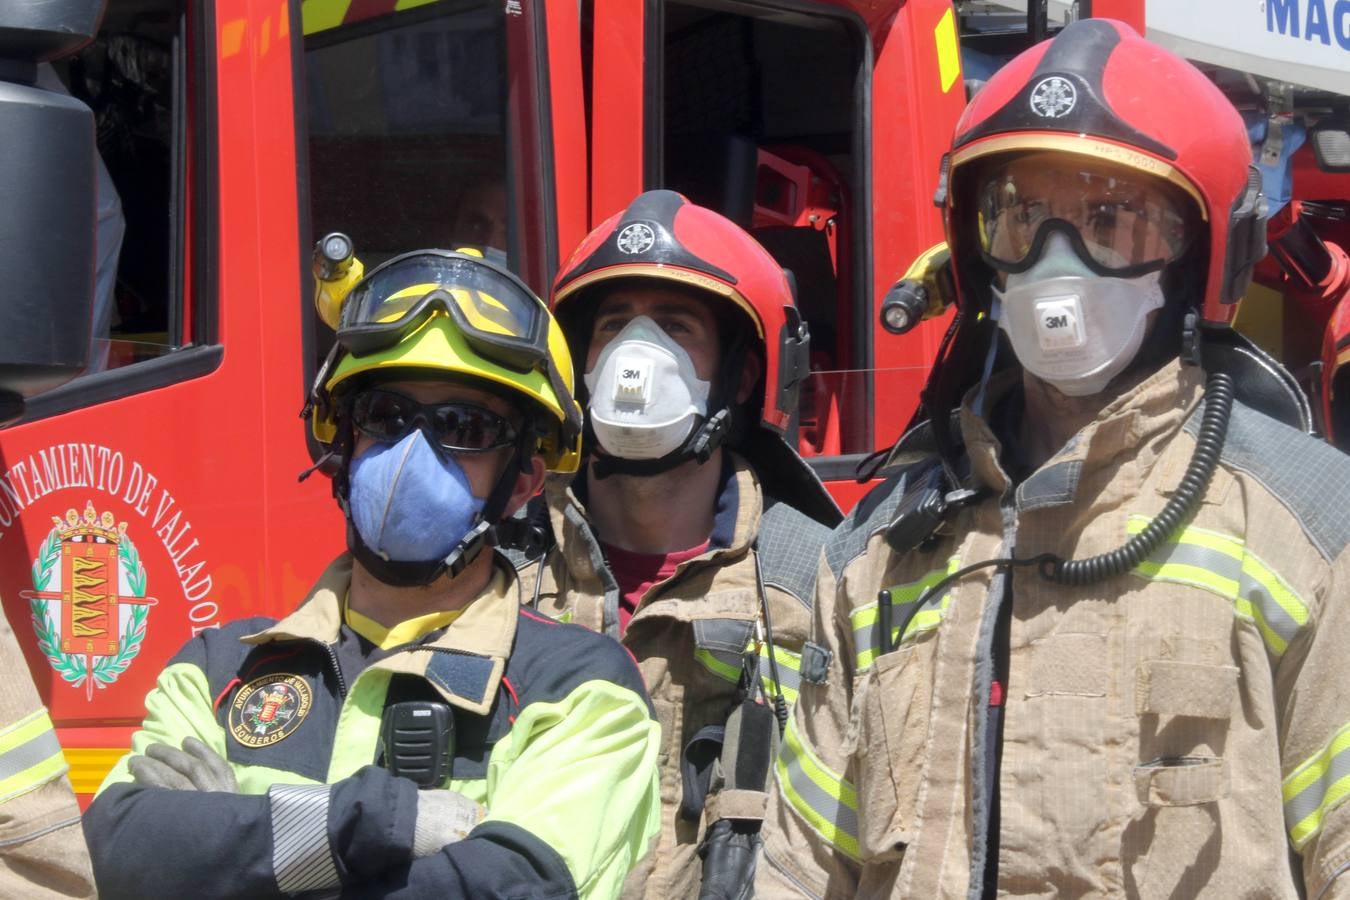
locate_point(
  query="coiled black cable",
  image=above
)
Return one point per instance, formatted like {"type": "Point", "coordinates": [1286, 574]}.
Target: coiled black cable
{"type": "Point", "coordinates": [1219, 394]}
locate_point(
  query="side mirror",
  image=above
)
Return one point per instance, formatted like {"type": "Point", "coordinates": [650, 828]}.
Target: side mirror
{"type": "Point", "coordinates": [48, 192]}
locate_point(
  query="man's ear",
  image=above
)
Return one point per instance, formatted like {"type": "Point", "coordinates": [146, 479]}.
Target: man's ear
{"type": "Point", "coordinates": [527, 485]}
{"type": "Point", "coordinates": [752, 368]}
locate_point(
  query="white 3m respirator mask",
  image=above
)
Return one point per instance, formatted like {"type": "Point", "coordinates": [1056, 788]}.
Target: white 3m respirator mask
{"type": "Point", "coordinates": [1071, 327]}
{"type": "Point", "coordinates": [645, 395]}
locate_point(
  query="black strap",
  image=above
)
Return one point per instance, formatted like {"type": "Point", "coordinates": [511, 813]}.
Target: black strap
{"type": "Point", "coordinates": [696, 770]}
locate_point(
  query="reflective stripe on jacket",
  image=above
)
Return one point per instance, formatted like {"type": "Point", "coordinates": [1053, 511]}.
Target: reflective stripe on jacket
{"type": "Point", "coordinates": [554, 737]}
{"type": "Point", "coordinates": [1174, 731]}
{"type": "Point", "coordinates": [689, 634]}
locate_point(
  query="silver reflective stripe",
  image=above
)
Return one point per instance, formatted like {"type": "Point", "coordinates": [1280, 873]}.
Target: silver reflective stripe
{"type": "Point", "coordinates": [1223, 564]}
{"type": "Point", "coordinates": [792, 679]}
{"type": "Point", "coordinates": [29, 754]}
{"type": "Point", "coordinates": [1316, 787]}
{"type": "Point", "coordinates": [826, 801]}
{"type": "Point", "coordinates": [301, 859]}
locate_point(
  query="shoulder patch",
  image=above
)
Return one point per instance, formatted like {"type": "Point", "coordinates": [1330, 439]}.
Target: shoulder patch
{"type": "Point", "coordinates": [789, 549]}
{"type": "Point", "coordinates": [872, 514]}
{"type": "Point", "coordinates": [1310, 477]}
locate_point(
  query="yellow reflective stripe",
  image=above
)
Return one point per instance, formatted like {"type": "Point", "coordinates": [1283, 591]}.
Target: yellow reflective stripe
{"type": "Point", "coordinates": [1193, 575]}
{"type": "Point", "coordinates": [717, 667]}
{"type": "Point", "coordinates": [1315, 787]}
{"type": "Point", "coordinates": [826, 801]}
{"type": "Point", "coordinates": [30, 755]}
{"type": "Point", "coordinates": [865, 619]}
{"type": "Point", "coordinates": [786, 659]}
{"type": "Point", "coordinates": [24, 730]}
{"type": "Point", "coordinates": [1279, 591]}
{"type": "Point", "coordinates": [1223, 565]}
{"type": "Point", "coordinates": [789, 668]}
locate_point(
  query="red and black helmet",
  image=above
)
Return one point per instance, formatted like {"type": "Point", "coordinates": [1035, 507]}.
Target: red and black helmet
{"type": "Point", "coordinates": [661, 235]}
{"type": "Point", "coordinates": [1100, 93]}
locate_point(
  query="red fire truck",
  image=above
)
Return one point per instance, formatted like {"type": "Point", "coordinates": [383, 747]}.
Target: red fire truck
{"type": "Point", "coordinates": [234, 133]}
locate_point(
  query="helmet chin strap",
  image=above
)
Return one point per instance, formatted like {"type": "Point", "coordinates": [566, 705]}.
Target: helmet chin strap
{"type": "Point", "coordinates": [419, 573]}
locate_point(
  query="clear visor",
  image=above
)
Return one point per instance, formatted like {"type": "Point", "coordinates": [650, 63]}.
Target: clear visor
{"type": "Point", "coordinates": [1125, 219]}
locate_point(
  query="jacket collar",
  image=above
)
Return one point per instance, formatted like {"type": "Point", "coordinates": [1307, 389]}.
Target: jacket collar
{"type": "Point", "coordinates": [1136, 423]}
{"type": "Point", "coordinates": [464, 662]}
{"type": "Point", "coordinates": [736, 512]}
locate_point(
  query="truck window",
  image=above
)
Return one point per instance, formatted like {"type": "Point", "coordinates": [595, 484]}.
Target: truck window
{"type": "Point", "coordinates": [407, 137]}
{"type": "Point", "coordinates": [135, 78]}
{"type": "Point", "coordinates": [761, 120]}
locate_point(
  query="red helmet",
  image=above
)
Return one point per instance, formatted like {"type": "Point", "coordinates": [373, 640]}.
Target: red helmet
{"type": "Point", "coordinates": [662, 235]}
{"type": "Point", "coordinates": [1118, 104]}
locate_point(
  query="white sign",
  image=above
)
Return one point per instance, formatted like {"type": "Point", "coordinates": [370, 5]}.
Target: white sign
{"type": "Point", "coordinates": [1305, 42]}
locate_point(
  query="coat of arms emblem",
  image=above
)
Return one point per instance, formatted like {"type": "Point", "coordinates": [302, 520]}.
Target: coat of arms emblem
{"type": "Point", "coordinates": [90, 571]}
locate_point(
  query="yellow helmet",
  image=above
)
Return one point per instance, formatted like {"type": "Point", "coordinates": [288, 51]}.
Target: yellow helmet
{"type": "Point", "coordinates": [451, 312]}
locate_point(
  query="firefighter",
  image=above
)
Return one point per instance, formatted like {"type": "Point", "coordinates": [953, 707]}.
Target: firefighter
{"type": "Point", "coordinates": [692, 532]}
{"type": "Point", "coordinates": [285, 756]}
{"type": "Point", "coordinates": [1096, 644]}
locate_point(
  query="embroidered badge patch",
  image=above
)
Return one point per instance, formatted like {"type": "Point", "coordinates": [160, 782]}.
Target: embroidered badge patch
{"type": "Point", "coordinates": [268, 709]}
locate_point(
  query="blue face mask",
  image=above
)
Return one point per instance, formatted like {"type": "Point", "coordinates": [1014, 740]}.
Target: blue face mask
{"type": "Point", "coordinates": [407, 503]}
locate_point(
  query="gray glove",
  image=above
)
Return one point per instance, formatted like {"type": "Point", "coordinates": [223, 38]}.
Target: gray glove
{"type": "Point", "coordinates": [443, 817]}
{"type": "Point", "coordinates": [194, 768]}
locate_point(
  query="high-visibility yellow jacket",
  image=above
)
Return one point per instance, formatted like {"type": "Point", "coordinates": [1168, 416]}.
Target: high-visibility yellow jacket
{"type": "Point", "coordinates": [1182, 730]}
{"type": "Point", "coordinates": [554, 738]}
{"type": "Point", "coordinates": [42, 851]}
{"type": "Point", "coordinates": [689, 634]}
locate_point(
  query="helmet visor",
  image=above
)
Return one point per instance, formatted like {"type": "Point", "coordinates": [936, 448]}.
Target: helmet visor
{"type": "Point", "coordinates": [497, 315]}
{"type": "Point", "coordinates": [1125, 221]}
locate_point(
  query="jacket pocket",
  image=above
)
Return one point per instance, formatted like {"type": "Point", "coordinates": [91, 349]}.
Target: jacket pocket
{"type": "Point", "coordinates": [1184, 711]}
{"type": "Point", "coordinates": [1167, 687]}
{"type": "Point", "coordinates": [893, 699]}
{"type": "Point", "coordinates": [1181, 781]}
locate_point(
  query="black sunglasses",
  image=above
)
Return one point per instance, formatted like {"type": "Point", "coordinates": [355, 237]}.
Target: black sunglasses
{"type": "Point", "coordinates": [389, 416]}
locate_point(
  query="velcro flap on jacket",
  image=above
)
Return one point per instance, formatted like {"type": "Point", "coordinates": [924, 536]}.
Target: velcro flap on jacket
{"type": "Point", "coordinates": [723, 635]}
{"type": "Point", "coordinates": [815, 663]}
{"type": "Point", "coordinates": [1166, 687]}
{"type": "Point", "coordinates": [737, 804]}
{"type": "Point", "coordinates": [466, 680]}
{"type": "Point", "coordinates": [1183, 783]}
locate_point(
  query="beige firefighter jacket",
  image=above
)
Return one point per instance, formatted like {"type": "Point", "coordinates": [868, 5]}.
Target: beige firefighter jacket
{"type": "Point", "coordinates": [42, 852]}
{"type": "Point", "coordinates": [689, 634]}
{"type": "Point", "coordinates": [1179, 731]}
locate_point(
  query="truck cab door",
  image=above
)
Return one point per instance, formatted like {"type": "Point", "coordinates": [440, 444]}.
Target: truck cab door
{"type": "Point", "coordinates": [819, 128]}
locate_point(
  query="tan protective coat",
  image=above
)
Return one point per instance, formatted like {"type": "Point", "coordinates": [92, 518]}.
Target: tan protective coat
{"type": "Point", "coordinates": [1179, 731]}
{"type": "Point", "coordinates": [719, 585]}
{"type": "Point", "coordinates": [42, 852]}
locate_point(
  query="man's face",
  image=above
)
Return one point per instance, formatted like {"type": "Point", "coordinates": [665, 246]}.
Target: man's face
{"type": "Point", "coordinates": [481, 217]}
{"type": "Point", "coordinates": [482, 469]}
{"type": "Point", "coordinates": [688, 322]}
